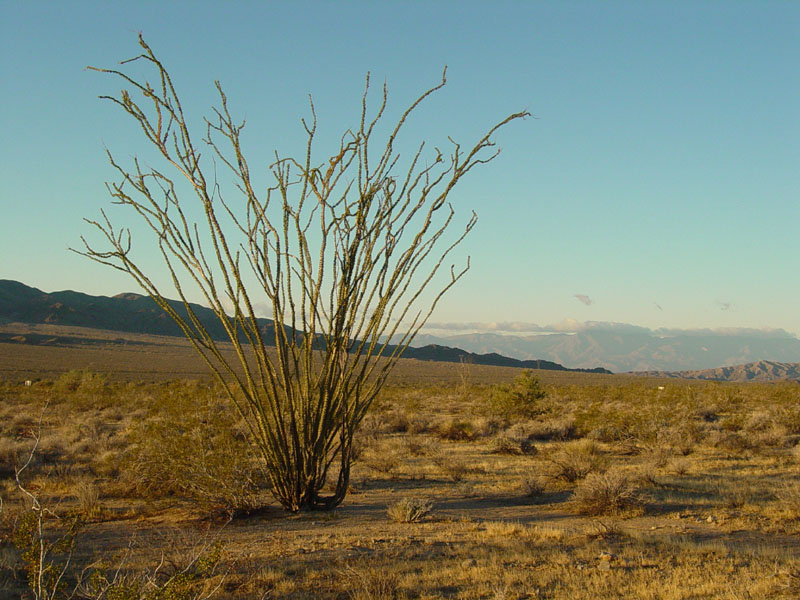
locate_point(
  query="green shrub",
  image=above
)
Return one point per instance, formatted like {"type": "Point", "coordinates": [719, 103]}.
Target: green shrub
{"type": "Point", "coordinates": [200, 453]}
{"type": "Point", "coordinates": [457, 430]}
{"type": "Point", "coordinates": [520, 400]}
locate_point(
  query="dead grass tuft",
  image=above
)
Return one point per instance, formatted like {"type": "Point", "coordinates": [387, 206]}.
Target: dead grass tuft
{"type": "Point", "coordinates": [608, 493]}
{"type": "Point", "coordinates": [409, 510]}
{"type": "Point", "coordinates": [576, 460]}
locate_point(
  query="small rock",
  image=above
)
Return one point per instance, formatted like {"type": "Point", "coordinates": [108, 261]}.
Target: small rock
{"type": "Point", "coordinates": [710, 520]}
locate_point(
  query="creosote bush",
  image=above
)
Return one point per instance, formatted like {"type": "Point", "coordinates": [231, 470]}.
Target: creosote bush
{"type": "Point", "coordinates": [519, 400]}
{"type": "Point", "coordinates": [195, 449]}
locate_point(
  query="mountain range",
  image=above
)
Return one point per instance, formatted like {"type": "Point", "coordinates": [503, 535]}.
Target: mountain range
{"type": "Point", "coordinates": [732, 355]}
{"type": "Point", "coordinates": [627, 348]}
{"type": "Point", "coordinates": [763, 370]}
{"type": "Point", "coordinates": [136, 313]}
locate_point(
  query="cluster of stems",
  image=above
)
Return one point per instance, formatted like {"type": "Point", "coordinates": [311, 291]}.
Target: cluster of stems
{"type": "Point", "coordinates": [340, 251]}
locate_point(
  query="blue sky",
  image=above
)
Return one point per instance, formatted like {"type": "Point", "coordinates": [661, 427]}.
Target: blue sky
{"type": "Point", "coordinates": [658, 184]}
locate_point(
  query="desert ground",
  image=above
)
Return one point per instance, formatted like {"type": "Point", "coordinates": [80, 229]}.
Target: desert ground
{"type": "Point", "coordinates": [471, 482]}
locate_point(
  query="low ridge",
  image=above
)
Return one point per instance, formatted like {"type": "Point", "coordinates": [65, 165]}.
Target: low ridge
{"type": "Point", "coordinates": [136, 313]}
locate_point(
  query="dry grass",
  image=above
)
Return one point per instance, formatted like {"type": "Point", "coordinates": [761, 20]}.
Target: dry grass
{"type": "Point", "coordinates": [410, 510]}
{"type": "Point", "coordinates": [610, 493]}
{"type": "Point", "coordinates": [718, 464]}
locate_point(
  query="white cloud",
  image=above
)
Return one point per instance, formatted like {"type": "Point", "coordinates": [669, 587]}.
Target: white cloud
{"type": "Point", "coordinates": [575, 326]}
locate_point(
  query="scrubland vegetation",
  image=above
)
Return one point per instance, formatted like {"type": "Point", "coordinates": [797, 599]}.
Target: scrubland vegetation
{"type": "Point", "coordinates": [523, 489]}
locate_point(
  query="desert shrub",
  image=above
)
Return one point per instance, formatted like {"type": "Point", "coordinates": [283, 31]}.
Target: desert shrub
{"type": "Point", "coordinates": [734, 494]}
{"type": "Point", "coordinates": [534, 487]}
{"type": "Point", "coordinates": [417, 445]}
{"type": "Point", "coordinates": [575, 460]}
{"type": "Point", "coordinates": [520, 400]}
{"type": "Point", "coordinates": [733, 422]}
{"type": "Point", "coordinates": [560, 429]}
{"type": "Point", "coordinates": [88, 495]}
{"type": "Point", "coordinates": [607, 493]}
{"type": "Point", "coordinates": [486, 426]}
{"type": "Point", "coordinates": [11, 453]}
{"type": "Point", "coordinates": [395, 421]}
{"type": "Point", "coordinates": [418, 424]}
{"type": "Point", "coordinates": [730, 441]}
{"type": "Point", "coordinates": [82, 387]}
{"type": "Point", "coordinates": [383, 458]}
{"type": "Point", "coordinates": [789, 497]}
{"type": "Point", "coordinates": [373, 583]}
{"type": "Point", "coordinates": [192, 573]}
{"type": "Point", "coordinates": [456, 430]}
{"type": "Point", "coordinates": [789, 417]}
{"type": "Point", "coordinates": [202, 456]}
{"type": "Point", "coordinates": [504, 444]}
{"type": "Point", "coordinates": [796, 452]}
{"type": "Point", "coordinates": [453, 468]}
{"type": "Point", "coordinates": [45, 558]}
{"type": "Point", "coordinates": [409, 510]}
{"type": "Point", "coordinates": [679, 466]}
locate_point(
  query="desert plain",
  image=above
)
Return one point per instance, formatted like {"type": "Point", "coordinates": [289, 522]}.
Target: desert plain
{"type": "Point", "coordinates": [471, 482]}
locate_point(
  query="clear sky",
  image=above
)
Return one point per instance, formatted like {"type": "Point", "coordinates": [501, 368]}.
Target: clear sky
{"type": "Point", "coordinates": [657, 185]}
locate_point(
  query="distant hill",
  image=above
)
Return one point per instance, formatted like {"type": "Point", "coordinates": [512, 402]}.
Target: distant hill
{"type": "Point", "coordinates": [763, 370]}
{"type": "Point", "coordinates": [136, 313]}
{"type": "Point", "coordinates": [626, 348]}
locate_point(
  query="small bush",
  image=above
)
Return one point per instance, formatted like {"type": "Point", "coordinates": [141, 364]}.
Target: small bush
{"type": "Point", "coordinates": [409, 510]}
{"type": "Point", "coordinates": [730, 441]}
{"type": "Point", "coordinates": [576, 460]}
{"type": "Point", "coordinates": [607, 494]}
{"type": "Point", "coordinates": [383, 459]}
{"type": "Point", "coordinates": [734, 495]}
{"type": "Point", "coordinates": [11, 455]}
{"type": "Point", "coordinates": [789, 497]}
{"type": "Point", "coordinates": [455, 470]}
{"type": "Point", "coordinates": [88, 495]}
{"type": "Point", "coordinates": [679, 466]}
{"type": "Point", "coordinates": [196, 453]}
{"type": "Point", "coordinates": [373, 583]}
{"type": "Point", "coordinates": [457, 431]}
{"type": "Point", "coordinates": [420, 446]}
{"type": "Point", "coordinates": [520, 400]}
{"type": "Point", "coordinates": [504, 444]}
{"type": "Point", "coordinates": [534, 488]}
{"type": "Point", "coordinates": [84, 386]}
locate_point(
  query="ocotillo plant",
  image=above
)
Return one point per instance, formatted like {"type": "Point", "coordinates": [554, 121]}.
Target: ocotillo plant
{"type": "Point", "coordinates": [341, 250]}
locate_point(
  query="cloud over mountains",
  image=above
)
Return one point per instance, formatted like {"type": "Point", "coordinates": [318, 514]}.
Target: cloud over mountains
{"type": "Point", "coordinates": [619, 347]}
{"type": "Point", "coordinates": [575, 326]}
